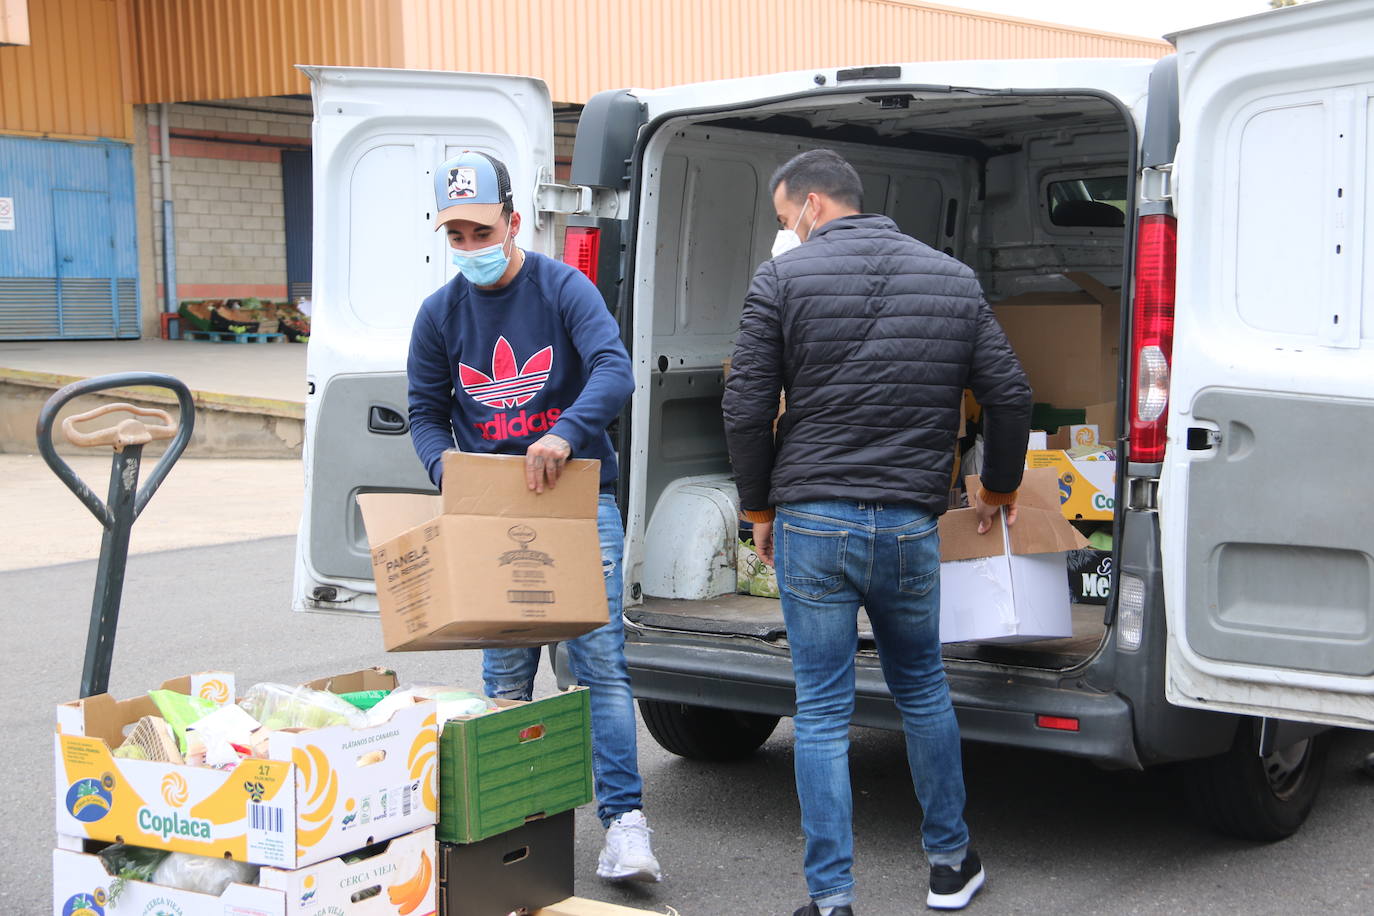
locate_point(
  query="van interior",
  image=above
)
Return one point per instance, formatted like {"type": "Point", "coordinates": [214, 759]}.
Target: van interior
{"type": "Point", "coordinates": [1024, 188]}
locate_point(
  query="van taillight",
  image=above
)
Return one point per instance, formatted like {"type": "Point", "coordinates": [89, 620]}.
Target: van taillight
{"type": "Point", "coordinates": [582, 248]}
{"type": "Point", "coordinates": [1152, 335]}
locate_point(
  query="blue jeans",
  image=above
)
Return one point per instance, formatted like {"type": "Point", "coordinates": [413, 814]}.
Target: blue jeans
{"type": "Point", "coordinates": [833, 556]}
{"type": "Point", "coordinates": [598, 662]}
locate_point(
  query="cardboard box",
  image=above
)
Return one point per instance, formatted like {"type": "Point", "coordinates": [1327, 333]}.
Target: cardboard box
{"type": "Point", "coordinates": [1007, 585]}
{"type": "Point", "coordinates": [1090, 576]}
{"type": "Point", "coordinates": [1073, 436]}
{"type": "Point", "coordinates": [1087, 488]}
{"type": "Point", "coordinates": [490, 562]}
{"type": "Point", "coordinates": [529, 867]}
{"type": "Point", "coordinates": [322, 793]}
{"type": "Point", "coordinates": [1068, 343]}
{"type": "Point", "coordinates": [499, 770]}
{"type": "Point", "coordinates": [385, 883]}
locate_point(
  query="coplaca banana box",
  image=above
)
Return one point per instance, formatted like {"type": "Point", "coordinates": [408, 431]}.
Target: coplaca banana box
{"type": "Point", "coordinates": [1087, 489]}
{"type": "Point", "coordinates": [319, 793]}
{"type": "Point", "coordinates": [397, 878]}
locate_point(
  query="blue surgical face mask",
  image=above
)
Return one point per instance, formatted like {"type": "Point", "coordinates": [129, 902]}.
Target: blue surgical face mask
{"type": "Point", "coordinates": [484, 266]}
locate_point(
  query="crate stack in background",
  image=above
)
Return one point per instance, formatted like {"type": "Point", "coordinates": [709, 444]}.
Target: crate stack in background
{"type": "Point", "coordinates": [337, 819]}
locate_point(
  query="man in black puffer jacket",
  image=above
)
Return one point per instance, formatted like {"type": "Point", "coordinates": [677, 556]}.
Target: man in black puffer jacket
{"type": "Point", "coordinates": [873, 336]}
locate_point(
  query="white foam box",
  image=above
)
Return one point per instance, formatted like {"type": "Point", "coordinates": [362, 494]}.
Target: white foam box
{"type": "Point", "coordinates": [395, 878]}
{"type": "Point", "coordinates": [1008, 585]}
{"type": "Point", "coordinates": [319, 794]}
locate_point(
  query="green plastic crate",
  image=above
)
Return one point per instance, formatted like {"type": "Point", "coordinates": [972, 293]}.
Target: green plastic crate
{"type": "Point", "coordinates": [498, 770]}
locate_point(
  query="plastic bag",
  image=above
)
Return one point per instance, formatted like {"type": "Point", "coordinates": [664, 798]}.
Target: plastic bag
{"type": "Point", "coordinates": [202, 874]}
{"type": "Point", "coordinates": [181, 711]}
{"type": "Point", "coordinates": [365, 699]}
{"type": "Point", "coordinates": [279, 706]}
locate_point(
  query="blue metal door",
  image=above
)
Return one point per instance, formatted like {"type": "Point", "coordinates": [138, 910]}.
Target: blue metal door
{"type": "Point", "coordinates": [69, 267]}
{"type": "Point", "coordinates": [87, 295]}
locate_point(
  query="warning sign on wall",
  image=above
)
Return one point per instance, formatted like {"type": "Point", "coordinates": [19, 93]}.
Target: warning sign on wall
{"type": "Point", "coordinates": [7, 213]}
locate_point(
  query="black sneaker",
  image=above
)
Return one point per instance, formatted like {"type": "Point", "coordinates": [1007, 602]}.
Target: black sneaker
{"type": "Point", "coordinates": [812, 910]}
{"type": "Point", "coordinates": [952, 888]}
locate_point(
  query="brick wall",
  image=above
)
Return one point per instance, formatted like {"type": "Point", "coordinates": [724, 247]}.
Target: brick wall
{"type": "Point", "coordinates": [227, 194]}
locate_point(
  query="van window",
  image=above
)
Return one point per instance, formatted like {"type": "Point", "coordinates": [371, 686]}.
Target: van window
{"type": "Point", "coordinates": [1091, 202]}
{"type": "Point", "coordinates": [385, 286]}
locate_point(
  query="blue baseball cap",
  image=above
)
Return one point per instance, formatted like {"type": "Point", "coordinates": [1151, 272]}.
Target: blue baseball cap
{"type": "Point", "coordinates": [471, 186]}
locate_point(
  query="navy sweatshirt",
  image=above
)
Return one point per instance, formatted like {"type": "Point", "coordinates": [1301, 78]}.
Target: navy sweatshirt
{"type": "Point", "coordinates": [494, 370]}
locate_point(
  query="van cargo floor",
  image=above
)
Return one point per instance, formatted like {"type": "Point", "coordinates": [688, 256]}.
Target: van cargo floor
{"type": "Point", "coordinates": [761, 618]}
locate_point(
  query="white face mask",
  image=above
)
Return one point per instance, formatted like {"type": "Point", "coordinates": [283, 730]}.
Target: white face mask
{"type": "Point", "coordinates": [788, 239]}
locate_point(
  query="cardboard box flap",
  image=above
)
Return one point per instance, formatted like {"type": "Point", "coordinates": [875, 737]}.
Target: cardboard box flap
{"type": "Point", "coordinates": [1039, 528]}
{"type": "Point", "coordinates": [494, 485]}
{"type": "Point", "coordinates": [389, 515]}
{"type": "Point", "coordinates": [1039, 490]}
{"type": "Point", "coordinates": [357, 681]}
{"type": "Point", "coordinates": [1043, 531]}
{"type": "Point", "coordinates": [960, 540]}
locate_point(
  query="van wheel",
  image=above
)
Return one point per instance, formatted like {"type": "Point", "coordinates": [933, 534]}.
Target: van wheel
{"type": "Point", "coordinates": [703, 733]}
{"type": "Point", "coordinates": [1243, 795]}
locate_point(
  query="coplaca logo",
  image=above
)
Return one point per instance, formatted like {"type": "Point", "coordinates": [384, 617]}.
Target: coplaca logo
{"type": "Point", "coordinates": [92, 904]}
{"type": "Point", "coordinates": [215, 690]}
{"type": "Point", "coordinates": [174, 789]}
{"type": "Point", "coordinates": [308, 888]}
{"type": "Point", "coordinates": [89, 800]}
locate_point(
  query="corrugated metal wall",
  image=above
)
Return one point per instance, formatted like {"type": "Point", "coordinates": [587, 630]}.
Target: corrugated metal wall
{"type": "Point", "coordinates": [67, 82]}
{"type": "Point", "coordinates": [212, 49]}
{"type": "Point", "coordinates": [223, 49]}
{"type": "Point", "coordinates": [580, 47]}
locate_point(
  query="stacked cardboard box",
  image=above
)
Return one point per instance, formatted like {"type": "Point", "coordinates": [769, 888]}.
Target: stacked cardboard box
{"type": "Point", "coordinates": [336, 816]}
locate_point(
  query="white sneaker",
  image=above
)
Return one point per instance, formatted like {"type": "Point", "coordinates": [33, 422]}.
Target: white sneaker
{"type": "Point", "coordinates": [627, 855]}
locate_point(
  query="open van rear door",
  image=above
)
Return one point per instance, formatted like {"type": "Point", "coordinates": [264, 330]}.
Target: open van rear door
{"type": "Point", "coordinates": [378, 135]}
{"type": "Point", "coordinates": [1266, 489]}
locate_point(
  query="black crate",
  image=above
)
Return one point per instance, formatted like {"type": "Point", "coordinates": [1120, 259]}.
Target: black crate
{"type": "Point", "coordinates": [529, 867]}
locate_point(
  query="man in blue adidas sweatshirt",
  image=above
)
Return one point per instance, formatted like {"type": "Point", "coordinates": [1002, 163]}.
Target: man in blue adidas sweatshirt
{"type": "Point", "coordinates": [518, 355]}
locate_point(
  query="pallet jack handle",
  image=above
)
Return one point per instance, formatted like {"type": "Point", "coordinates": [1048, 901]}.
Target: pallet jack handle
{"type": "Point", "coordinates": [126, 500]}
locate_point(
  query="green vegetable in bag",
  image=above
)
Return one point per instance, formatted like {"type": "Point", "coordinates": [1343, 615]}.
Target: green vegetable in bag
{"type": "Point", "coordinates": [181, 711]}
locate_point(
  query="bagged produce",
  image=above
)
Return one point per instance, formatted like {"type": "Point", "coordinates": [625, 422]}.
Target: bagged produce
{"type": "Point", "coordinates": [201, 874]}
{"type": "Point", "coordinates": [181, 711]}
{"type": "Point", "coordinates": [279, 706]}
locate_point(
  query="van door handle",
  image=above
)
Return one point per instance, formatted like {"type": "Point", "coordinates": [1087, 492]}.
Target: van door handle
{"type": "Point", "coordinates": [385, 421]}
{"type": "Point", "coordinates": [1201, 439]}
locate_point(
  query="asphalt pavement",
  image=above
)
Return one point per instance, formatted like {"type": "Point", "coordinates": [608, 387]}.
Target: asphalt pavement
{"type": "Point", "coordinates": [1057, 835]}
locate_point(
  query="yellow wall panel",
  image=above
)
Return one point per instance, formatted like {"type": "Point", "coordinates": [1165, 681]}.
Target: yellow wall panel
{"type": "Point", "coordinates": [220, 49]}
{"type": "Point", "coordinates": [66, 82]}
{"type": "Point", "coordinates": [580, 47]}
{"type": "Point", "coordinates": [207, 49]}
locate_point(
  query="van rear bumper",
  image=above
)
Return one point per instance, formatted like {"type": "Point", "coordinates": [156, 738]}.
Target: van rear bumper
{"type": "Point", "coordinates": [997, 706]}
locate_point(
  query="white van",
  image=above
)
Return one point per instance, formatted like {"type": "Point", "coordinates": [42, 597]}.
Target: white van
{"type": "Point", "coordinates": [1236, 181]}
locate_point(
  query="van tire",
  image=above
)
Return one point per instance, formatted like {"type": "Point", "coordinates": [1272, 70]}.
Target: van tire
{"type": "Point", "coordinates": [704, 733]}
{"type": "Point", "coordinates": [1243, 795]}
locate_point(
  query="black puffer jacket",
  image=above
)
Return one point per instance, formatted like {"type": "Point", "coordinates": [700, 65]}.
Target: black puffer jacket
{"type": "Point", "coordinates": [874, 336]}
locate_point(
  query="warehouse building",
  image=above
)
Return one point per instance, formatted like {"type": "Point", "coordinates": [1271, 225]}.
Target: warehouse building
{"type": "Point", "coordinates": [105, 105]}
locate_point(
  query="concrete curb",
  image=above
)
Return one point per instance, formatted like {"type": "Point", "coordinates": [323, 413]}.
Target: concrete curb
{"type": "Point", "coordinates": [227, 425]}
{"type": "Point", "coordinates": [205, 400]}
